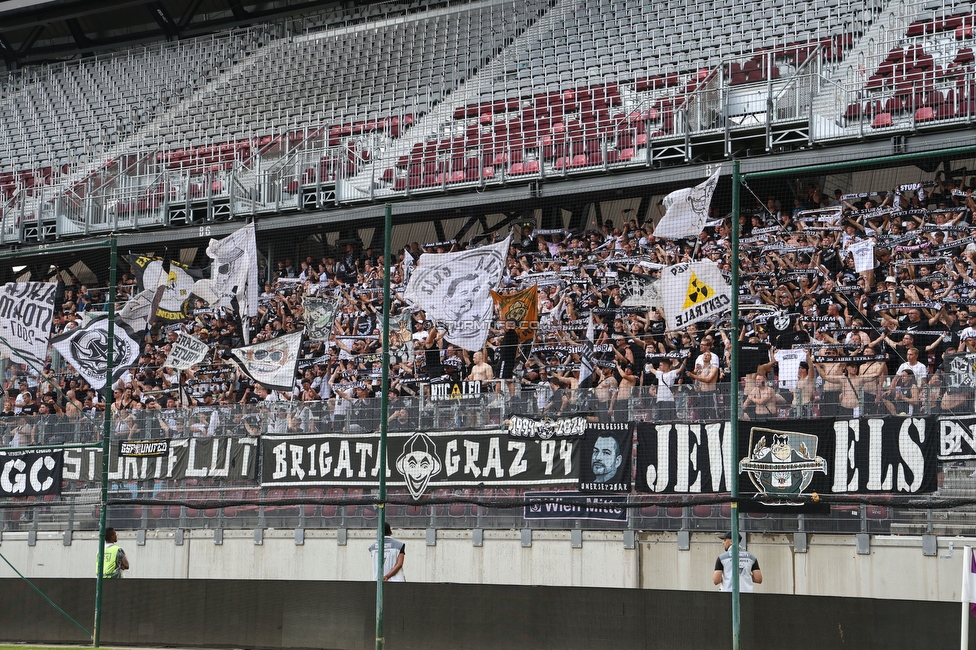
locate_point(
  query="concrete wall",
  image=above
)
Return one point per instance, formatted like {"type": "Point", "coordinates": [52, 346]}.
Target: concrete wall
{"type": "Point", "coordinates": [894, 569]}
{"type": "Point", "coordinates": [425, 616]}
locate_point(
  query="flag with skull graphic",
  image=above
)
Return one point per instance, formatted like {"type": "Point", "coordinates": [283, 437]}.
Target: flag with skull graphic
{"type": "Point", "coordinates": [271, 363]}
{"type": "Point", "coordinates": [233, 275]}
{"type": "Point", "coordinates": [86, 349]}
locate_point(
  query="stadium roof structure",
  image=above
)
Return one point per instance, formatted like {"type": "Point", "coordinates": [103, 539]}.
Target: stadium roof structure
{"type": "Point", "coordinates": [33, 31]}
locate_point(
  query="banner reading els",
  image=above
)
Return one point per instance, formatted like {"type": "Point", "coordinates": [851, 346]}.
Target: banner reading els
{"type": "Point", "coordinates": [419, 460]}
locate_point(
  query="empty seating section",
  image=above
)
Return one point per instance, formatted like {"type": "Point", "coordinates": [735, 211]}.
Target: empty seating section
{"type": "Point", "coordinates": [927, 76]}
{"type": "Point", "coordinates": [404, 96]}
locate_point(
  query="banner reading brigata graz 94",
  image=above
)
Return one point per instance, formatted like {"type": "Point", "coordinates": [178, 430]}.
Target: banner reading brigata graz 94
{"type": "Point", "coordinates": [420, 461]}
{"type": "Point", "coordinates": [784, 459]}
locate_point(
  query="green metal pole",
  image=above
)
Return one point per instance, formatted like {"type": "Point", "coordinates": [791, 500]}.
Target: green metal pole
{"type": "Point", "coordinates": [734, 406]}
{"type": "Point", "coordinates": [384, 409]}
{"type": "Point", "coordinates": [106, 440]}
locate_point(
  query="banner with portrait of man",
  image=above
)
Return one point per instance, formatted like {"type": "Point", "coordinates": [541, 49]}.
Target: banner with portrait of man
{"type": "Point", "coordinates": [455, 290]}
{"type": "Point", "coordinates": [605, 456]}
{"type": "Point", "coordinates": [522, 308]}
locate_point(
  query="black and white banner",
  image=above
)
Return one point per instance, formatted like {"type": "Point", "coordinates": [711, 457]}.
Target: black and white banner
{"type": "Point", "coordinates": [30, 473]}
{"type": "Point", "coordinates": [520, 426]}
{"type": "Point", "coordinates": [233, 282]}
{"type": "Point", "coordinates": [186, 352]}
{"type": "Point", "coordinates": [271, 363]}
{"type": "Point", "coordinates": [233, 459]}
{"type": "Point", "coordinates": [140, 448]}
{"type": "Point", "coordinates": [957, 438]}
{"type": "Point", "coordinates": [319, 316]}
{"type": "Point", "coordinates": [86, 349]}
{"type": "Point", "coordinates": [26, 310]}
{"type": "Point", "coordinates": [780, 460]}
{"type": "Point", "coordinates": [606, 451]}
{"type": "Point", "coordinates": [455, 290]}
{"type": "Point", "coordinates": [419, 461]}
{"type": "Point", "coordinates": [639, 290]}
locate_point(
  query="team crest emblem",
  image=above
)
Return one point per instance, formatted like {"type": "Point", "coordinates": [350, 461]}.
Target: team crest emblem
{"type": "Point", "coordinates": [781, 471]}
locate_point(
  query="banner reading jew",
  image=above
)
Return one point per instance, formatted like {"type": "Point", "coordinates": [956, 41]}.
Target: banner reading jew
{"type": "Point", "coordinates": [693, 291]}
{"type": "Point", "coordinates": [455, 290]}
{"type": "Point", "coordinates": [271, 363]}
{"type": "Point", "coordinates": [234, 459]}
{"type": "Point", "coordinates": [606, 452]}
{"type": "Point", "coordinates": [86, 349]}
{"type": "Point", "coordinates": [30, 473]}
{"type": "Point", "coordinates": [26, 310]}
{"type": "Point", "coordinates": [419, 461]}
{"type": "Point", "coordinates": [781, 460]}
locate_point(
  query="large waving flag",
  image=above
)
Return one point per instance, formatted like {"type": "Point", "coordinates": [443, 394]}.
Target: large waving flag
{"type": "Point", "coordinates": [319, 316]}
{"type": "Point", "coordinates": [693, 291]}
{"type": "Point", "coordinates": [26, 312]}
{"type": "Point", "coordinates": [176, 281]}
{"type": "Point", "coordinates": [455, 290]}
{"type": "Point", "coordinates": [521, 307]}
{"type": "Point", "coordinates": [86, 349]}
{"type": "Point", "coordinates": [233, 283]}
{"type": "Point", "coordinates": [686, 210]}
{"type": "Point", "coordinates": [271, 363]}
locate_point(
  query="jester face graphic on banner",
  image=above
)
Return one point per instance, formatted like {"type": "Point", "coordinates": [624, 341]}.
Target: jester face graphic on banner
{"type": "Point", "coordinates": [784, 468]}
{"type": "Point", "coordinates": [418, 463]}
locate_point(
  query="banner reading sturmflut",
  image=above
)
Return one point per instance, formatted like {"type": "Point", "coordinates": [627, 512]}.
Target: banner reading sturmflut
{"type": "Point", "coordinates": [693, 291]}
{"type": "Point", "coordinates": [419, 461]}
{"type": "Point", "coordinates": [234, 459]}
{"type": "Point", "coordinates": [26, 310]}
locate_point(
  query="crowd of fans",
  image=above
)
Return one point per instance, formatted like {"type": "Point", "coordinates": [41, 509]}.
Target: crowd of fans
{"type": "Point", "coordinates": [851, 305]}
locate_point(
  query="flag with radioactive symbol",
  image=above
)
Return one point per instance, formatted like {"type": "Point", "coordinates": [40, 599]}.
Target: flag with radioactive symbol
{"type": "Point", "coordinates": [692, 292]}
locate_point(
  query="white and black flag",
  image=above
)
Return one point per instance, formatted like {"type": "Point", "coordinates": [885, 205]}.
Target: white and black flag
{"type": "Point", "coordinates": [30, 473]}
{"type": "Point", "coordinates": [271, 363]}
{"type": "Point", "coordinates": [455, 290]}
{"type": "Point", "coordinates": [319, 317]}
{"type": "Point", "coordinates": [86, 349]}
{"type": "Point", "coordinates": [686, 210]}
{"type": "Point", "coordinates": [233, 275]}
{"type": "Point", "coordinates": [26, 311]}
{"type": "Point", "coordinates": [186, 352]}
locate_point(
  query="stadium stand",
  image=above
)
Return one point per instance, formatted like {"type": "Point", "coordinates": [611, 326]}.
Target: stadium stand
{"type": "Point", "coordinates": [262, 121]}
